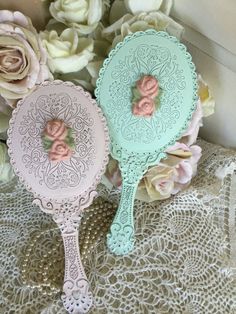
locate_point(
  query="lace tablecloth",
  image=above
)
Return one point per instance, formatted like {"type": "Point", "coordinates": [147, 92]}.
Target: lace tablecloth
{"type": "Point", "coordinates": [184, 260]}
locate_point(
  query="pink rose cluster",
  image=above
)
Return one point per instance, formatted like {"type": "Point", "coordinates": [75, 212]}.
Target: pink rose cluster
{"type": "Point", "coordinates": [55, 138]}
{"type": "Point", "coordinates": [147, 89]}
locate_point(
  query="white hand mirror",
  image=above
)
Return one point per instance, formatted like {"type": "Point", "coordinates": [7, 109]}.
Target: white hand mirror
{"type": "Point", "coordinates": [63, 180]}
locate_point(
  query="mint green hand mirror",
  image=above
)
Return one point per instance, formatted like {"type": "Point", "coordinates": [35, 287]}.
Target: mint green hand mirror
{"type": "Point", "coordinates": [147, 90]}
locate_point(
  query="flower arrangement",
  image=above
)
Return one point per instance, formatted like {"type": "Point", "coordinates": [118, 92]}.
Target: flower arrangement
{"type": "Point", "coordinates": [72, 47]}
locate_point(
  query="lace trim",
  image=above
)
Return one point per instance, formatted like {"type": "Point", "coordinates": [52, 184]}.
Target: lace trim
{"type": "Point", "coordinates": [182, 262]}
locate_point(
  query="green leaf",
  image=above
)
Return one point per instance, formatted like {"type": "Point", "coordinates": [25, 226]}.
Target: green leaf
{"type": "Point", "coordinates": [136, 95]}
{"type": "Point", "coordinates": [47, 143]}
{"type": "Point", "coordinates": [69, 140]}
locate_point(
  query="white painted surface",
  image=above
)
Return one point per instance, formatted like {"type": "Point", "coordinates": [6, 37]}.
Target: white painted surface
{"type": "Point", "coordinates": [216, 19]}
{"type": "Point", "coordinates": [220, 127]}
{"type": "Point", "coordinates": [211, 38]}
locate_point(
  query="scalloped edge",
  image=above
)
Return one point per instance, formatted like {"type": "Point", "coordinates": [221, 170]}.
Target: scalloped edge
{"type": "Point", "coordinates": [195, 97]}
{"type": "Point", "coordinates": [85, 194]}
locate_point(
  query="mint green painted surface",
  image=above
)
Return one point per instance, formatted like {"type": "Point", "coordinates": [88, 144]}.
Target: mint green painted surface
{"type": "Point", "coordinates": [138, 142]}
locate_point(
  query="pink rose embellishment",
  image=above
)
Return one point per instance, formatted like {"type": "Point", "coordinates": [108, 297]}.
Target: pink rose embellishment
{"type": "Point", "coordinates": [58, 140]}
{"type": "Point", "coordinates": [59, 151]}
{"type": "Point", "coordinates": [146, 94]}
{"type": "Point", "coordinates": [144, 107]}
{"type": "Point", "coordinates": [148, 86]}
{"type": "Point", "coordinates": [56, 129]}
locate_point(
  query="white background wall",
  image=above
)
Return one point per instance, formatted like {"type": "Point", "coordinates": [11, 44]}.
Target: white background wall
{"type": "Point", "coordinates": [211, 39]}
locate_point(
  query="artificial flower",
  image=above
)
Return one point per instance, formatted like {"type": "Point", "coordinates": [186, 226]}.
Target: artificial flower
{"type": "Point", "coordinates": [190, 135]}
{"type": "Point", "coordinates": [171, 175]}
{"type": "Point", "coordinates": [83, 15]}
{"type": "Point", "coordinates": [157, 183]}
{"type": "Point", "coordinates": [56, 130]}
{"type": "Point", "coordinates": [120, 8]}
{"type": "Point", "coordinates": [22, 57]}
{"type": "Point", "coordinates": [67, 52]}
{"type": "Point", "coordinates": [148, 86]}
{"type": "Point", "coordinates": [188, 158]}
{"type": "Point", "coordinates": [206, 99]}
{"type": "Point", "coordinates": [6, 172]}
{"type": "Point", "coordinates": [113, 173]}
{"type": "Point", "coordinates": [59, 151]}
{"type": "Point", "coordinates": [144, 107]}
{"type": "Point", "coordinates": [88, 76]}
{"type": "Point", "coordinates": [129, 24]}
{"type": "Point", "coordinates": [138, 6]}
{"type": "Point", "coordinates": [101, 49]}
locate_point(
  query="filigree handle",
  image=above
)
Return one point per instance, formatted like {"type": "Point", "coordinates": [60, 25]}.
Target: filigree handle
{"type": "Point", "coordinates": [120, 240]}
{"type": "Point", "coordinates": [77, 298]}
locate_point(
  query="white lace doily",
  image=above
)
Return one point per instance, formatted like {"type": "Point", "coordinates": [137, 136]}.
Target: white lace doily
{"type": "Point", "coordinates": [184, 261]}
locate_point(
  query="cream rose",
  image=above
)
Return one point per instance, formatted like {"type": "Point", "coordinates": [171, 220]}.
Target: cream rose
{"type": "Point", "coordinates": [83, 15]}
{"type": "Point", "coordinates": [170, 176]}
{"type": "Point", "coordinates": [68, 52]}
{"type": "Point", "coordinates": [158, 183]}
{"type": "Point", "coordinates": [121, 7]}
{"type": "Point", "coordinates": [87, 77]}
{"type": "Point", "coordinates": [144, 107]}
{"type": "Point", "coordinates": [129, 24]}
{"type": "Point", "coordinates": [137, 6]}
{"type": "Point", "coordinates": [206, 99]}
{"type": "Point", "coordinates": [22, 57]}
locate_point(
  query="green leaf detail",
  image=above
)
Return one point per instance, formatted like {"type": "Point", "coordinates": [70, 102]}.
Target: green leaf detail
{"type": "Point", "coordinates": [47, 143]}
{"type": "Point", "coordinates": [69, 140]}
{"type": "Point", "coordinates": [136, 95]}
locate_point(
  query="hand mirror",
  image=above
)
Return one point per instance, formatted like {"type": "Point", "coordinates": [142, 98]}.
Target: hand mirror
{"type": "Point", "coordinates": [62, 187]}
{"type": "Point", "coordinates": [147, 90]}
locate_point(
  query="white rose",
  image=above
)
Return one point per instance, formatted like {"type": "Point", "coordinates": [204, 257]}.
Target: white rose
{"type": "Point", "coordinates": [87, 76]}
{"type": "Point", "coordinates": [129, 24]}
{"type": "Point", "coordinates": [68, 52]}
{"type": "Point", "coordinates": [84, 15]}
{"type": "Point", "coordinates": [22, 57]}
{"type": "Point", "coordinates": [138, 6]}
{"type": "Point", "coordinates": [120, 7]}
{"type": "Point", "coordinates": [206, 98]}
